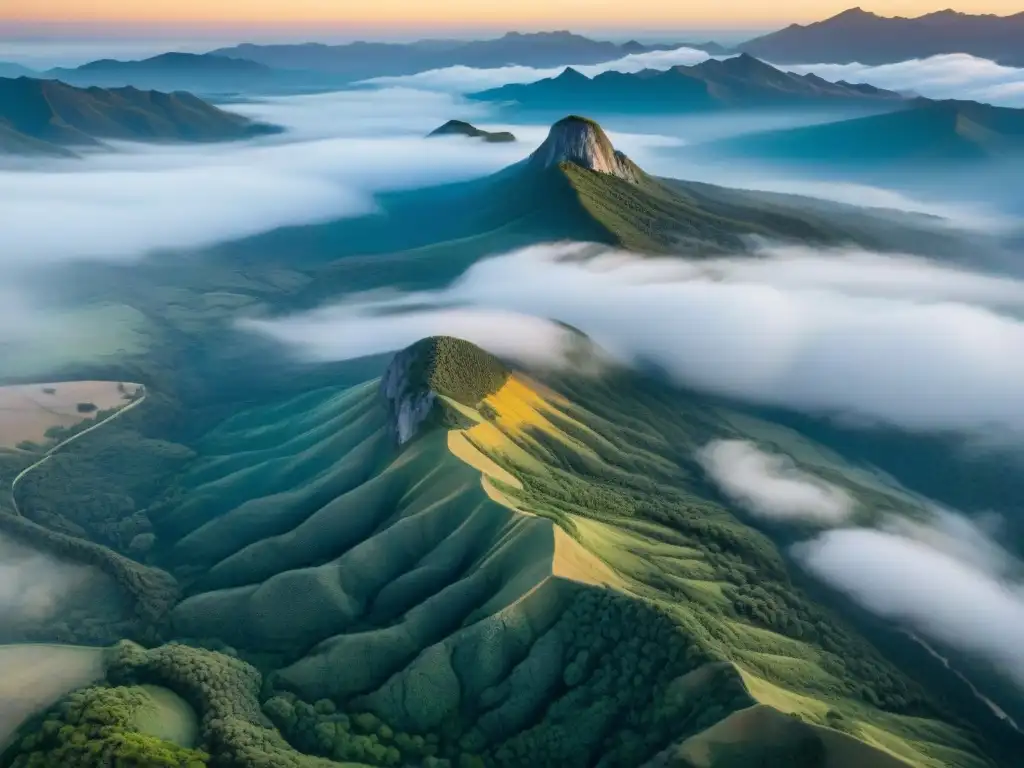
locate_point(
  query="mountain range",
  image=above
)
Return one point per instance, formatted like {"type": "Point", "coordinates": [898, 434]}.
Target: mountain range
{"type": "Point", "coordinates": [737, 82]}
{"type": "Point", "coordinates": [204, 73]}
{"type": "Point", "coordinates": [51, 117]}
{"type": "Point", "coordinates": [925, 132]}
{"type": "Point", "coordinates": [439, 557]}
{"type": "Point", "coordinates": [856, 35]}
{"type": "Point", "coordinates": [363, 60]}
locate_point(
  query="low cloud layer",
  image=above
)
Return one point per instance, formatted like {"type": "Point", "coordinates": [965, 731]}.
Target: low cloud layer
{"type": "Point", "coordinates": [461, 79]}
{"type": "Point", "coordinates": [340, 150]}
{"type": "Point", "coordinates": [896, 340]}
{"type": "Point", "coordinates": [511, 335]}
{"type": "Point", "coordinates": [33, 586]}
{"type": "Point", "coordinates": [949, 76]}
{"type": "Point", "coordinates": [771, 485]}
{"type": "Point", "coordinates": [945, 596]}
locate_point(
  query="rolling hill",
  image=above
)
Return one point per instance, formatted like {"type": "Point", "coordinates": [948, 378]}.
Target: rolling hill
{"type": "Point", "coordinates": [50, 117]}
{"type": "Point", "coordinates": [456, 564]}
{"type": "Point", "coordinates": [856, 35]}
{"type": "Point", "coordinates": [926, 133]}
{"type": "Point", "coordinates": [462, 128]}
{"type": "Point", "coordinates": [739, 82]}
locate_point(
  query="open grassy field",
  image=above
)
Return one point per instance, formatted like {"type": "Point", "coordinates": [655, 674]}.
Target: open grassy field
{"type": "Point", "coordinates": [33, 677]}
{"type": "Point", "coordinates": [28, 411]}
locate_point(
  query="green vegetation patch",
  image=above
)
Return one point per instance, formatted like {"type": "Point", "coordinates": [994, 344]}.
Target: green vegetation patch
{"type": "Point", "coordinates": [99, 726]}
{"type": "Point", "coordinates": [454, 368]}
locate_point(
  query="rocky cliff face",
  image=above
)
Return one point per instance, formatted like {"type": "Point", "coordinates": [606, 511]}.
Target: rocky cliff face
{"type": "Point", "coordinates": [410, 406]}
{"type": "Point", "coordinates": [581, 141]}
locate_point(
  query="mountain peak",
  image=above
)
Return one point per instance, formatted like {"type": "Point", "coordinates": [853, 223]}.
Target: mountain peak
{"type": "Point", "coordinates": [581, 141]}
{"type": "Point", "coordinates": [571, 74]}
{"type": "Point", "coordinates": [421, 376]}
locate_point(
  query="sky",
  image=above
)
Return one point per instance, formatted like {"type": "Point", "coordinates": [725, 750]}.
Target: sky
{"type": "Point", "coordinates": [453, 15]}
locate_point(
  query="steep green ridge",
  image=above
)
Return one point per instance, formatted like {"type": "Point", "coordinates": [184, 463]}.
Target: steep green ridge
{"type": "Point", "coordinates": [550, 583]}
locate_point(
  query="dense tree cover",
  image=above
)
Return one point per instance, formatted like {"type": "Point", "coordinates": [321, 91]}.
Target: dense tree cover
{"type": "Point", "coordinates": [149, 593]}
{"type": "Point", "coordinates": [456, 369]}
{"type": "Point", "coordinates": [96, 727]}
{"type": "Point", "coordinates": [624, 487]}
{"type": "Point", "coordinates": [225, 692]}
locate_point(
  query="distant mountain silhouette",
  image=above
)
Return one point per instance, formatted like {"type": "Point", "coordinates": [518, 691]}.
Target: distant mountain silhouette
{"type": "Point", "coordinates": [169, 71]}
{"type": "Point", "coordinates": [10, 69]}
{"type": "Point", "coordinates": [461, 128]}
{"type": "Point", "coordinates": [926, 132]}
{"type": "Point", "coordinates": [51, 117]}
{"type": "Point", "coordinates": [859, 36]}
{"type": "Point", "coordinates": [363, 60]}
{"type": "Point", "coordinates": [738, 82]}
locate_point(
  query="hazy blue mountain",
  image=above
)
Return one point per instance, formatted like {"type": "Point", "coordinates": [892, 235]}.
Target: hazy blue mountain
{"type": "Point", "coordinates": [856, 35]}
{"type": "Point", "coordinates": [361, 60]}
{"type": "Point", "coordinates": [48, 116]}
{"type": "Point", "coordinates": [10, 69]}
{"type": "Point", "coordinates": [925, 132]}
{"type": "Point", "coordinates": [738, 82]}
{"type": "Point", "coordinates": [201, 73]}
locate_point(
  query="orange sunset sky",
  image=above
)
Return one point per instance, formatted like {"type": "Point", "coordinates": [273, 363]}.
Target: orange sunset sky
{"type": "Point", "coordinates": [522, 14]}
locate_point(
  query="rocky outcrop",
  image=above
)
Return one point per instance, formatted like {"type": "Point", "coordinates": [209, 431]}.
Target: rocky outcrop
{"type": "Point", "coordinates": [583, 142]}
{"type": "Point", "coordinates": [410, 406]}
{"type": "Point", "coordinates": [418, 377]}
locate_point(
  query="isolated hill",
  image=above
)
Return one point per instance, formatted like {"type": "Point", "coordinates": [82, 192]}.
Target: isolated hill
{"type": "Point", "coordinates": [856, 35]}
{"type": "Point", "coordinates": [461, 128]}
{"type": "Point", "coordinates": [926, 132]}
{"type": "Point", "coordinates": [456, 562]}
{"type": "Point", "coordinates": [738, 82]}
{"type": "Point", "coordinates": [48, 115]}
{"type": "Point", "coordinates": [362, 60]}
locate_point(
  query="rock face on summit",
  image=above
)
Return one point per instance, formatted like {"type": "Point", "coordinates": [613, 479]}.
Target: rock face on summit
{"type": "Point", "coordinates": [581, 141]}
{"type": "Point", "coordinates": [439, 366]}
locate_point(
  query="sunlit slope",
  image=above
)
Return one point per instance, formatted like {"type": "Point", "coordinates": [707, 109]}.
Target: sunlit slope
{"type": "Point", "coordinates": [525, 577]}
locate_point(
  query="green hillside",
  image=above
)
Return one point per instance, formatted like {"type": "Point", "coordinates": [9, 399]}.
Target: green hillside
{"type": "Point", "coordinates": [542, 578]}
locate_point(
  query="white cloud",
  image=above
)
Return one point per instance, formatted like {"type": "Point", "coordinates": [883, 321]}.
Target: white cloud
{"type": "Point", "coordinates": [342, 149]}
{"type": "Point", "coordinates": [506, 334]}
{"type": "Point", "coordinates": [944, 596]}
{"type": "Point", "coordinates": [948, 76]}
{"type": "Point", "coordinates": [463, 79]}
{"type": "Point", "coordinates": [771, 485]}
{"type": "Point", "coordinates": [888, 339]}
{"type": "Point", "coordinates": [33, 586]}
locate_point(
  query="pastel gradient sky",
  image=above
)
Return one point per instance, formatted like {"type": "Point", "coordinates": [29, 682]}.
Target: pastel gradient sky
{"type": "Point", "coordinates": [455, 14]}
